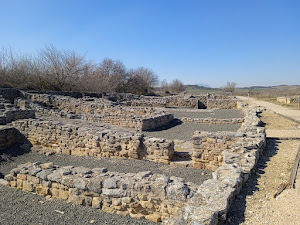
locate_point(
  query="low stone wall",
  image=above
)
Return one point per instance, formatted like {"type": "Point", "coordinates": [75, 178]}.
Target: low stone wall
{"type": "Point", "coordinates": [141, 123]}
{"type": "Point", "coordinates": [209, 101]}
{"type": "Point", "coordinates": [222, 103]}
{"type": "Point", "coordinates": [208, 148]}
{"type": "Point", "coordinates": [209, 120]}
{"type": "Point", "coordinates": [288, 100]}
{"type": "Point", "coordinates": [11, 112]}
{"type": "Point", "coordinates": [214, 196]}
{"type": "Point", "coordinates": [96, 142]}
{"type": "Point", "coordinates": [142, 195]}
{"type": "Point", "coordinates": [163, 102]}
{"type": "Point", "coordinates": [100, 110]}
{"type": "Point", "coordinates": [153, 196]}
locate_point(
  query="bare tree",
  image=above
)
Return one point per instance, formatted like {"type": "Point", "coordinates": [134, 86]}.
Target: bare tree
{"type": "Point", "coordinates": [141, 81]}
{"type": "Point", "coordinates": [16, 70]}
{"type": "Point", "coordinates": [176, 86]}
{"type": "Point", "coordinates": [63, 67]}
{"type": "Point", "coordinates": [230, 87]}
{"type": "Point", "coordinates": [64, 70]}
{"type": "Point", "coordinates": [164, 86]}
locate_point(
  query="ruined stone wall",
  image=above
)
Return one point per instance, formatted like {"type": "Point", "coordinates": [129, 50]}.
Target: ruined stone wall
{"type": "Point", "coordinates": [163, 102]}
{"type": "Point", "coordinates": [208, 148]}
{"type": "Point", "coordinates": [212, 201]}
{"type": "Point", "coordinates": [143, 195]}
{"type": "Point", "coordinates": [122, 119]}
{"type": "Point", "coordinates": [101, 110]}
{"type": "Point", "coordinates": [222, 103]}
{"type": "Point", "coordinates": [197, 101]}
{"type": "Point", "coordinates": [96, 142]}
{"type": "Point", "coordinates": [153, 196]}
{"type": "Point", "coordinates": [10, 112]}
{"type": "Point", "coordinates": [209, 120]}
{"type": "Point", "coordinates": [288, 100]}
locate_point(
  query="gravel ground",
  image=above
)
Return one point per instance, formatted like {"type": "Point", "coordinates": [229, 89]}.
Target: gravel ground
{"type": "Point", "coordinates": [185, 131]}
{"type": "Point", "coordinates": [217, 113]}
{"type": "Point", "coordinates": [18, 207]}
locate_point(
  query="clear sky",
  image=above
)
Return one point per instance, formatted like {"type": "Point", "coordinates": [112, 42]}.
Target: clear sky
{"type": "Point", "coordinates": [250, 42]}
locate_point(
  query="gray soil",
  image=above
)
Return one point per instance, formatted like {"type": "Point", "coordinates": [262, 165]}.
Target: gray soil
{"type": "Point", "coordinates": [217, 113]}
{"type": "Point", "coordinates": [185, 131]}
{"type": "Point", "coordinates": [18, 207]}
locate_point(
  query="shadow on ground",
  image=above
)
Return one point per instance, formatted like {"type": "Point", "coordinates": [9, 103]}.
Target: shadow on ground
{"type": "Point", "coordinates": [236, 214]}
{"type": "Point", "coordinates": [7, 154]}
{"type": "Point", "coordinates": [168, 126]}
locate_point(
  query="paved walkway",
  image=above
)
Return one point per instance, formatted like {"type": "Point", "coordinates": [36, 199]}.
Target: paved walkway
{"type": "Point", "coordinates": [290, 113]}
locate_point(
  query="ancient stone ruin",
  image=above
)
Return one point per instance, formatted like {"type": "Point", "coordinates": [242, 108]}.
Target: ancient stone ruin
{"type": "Point", "coordinates": [114, 126]}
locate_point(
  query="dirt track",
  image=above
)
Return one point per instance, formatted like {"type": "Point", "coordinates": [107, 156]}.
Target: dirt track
{"type": "Point", "coordinates": [255, 204]}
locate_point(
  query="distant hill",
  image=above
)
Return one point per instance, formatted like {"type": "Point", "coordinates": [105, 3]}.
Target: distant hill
{"type": "Point", "coordinates": [203, 85]}
{"type": "Point", "coordinates": [196, 86]}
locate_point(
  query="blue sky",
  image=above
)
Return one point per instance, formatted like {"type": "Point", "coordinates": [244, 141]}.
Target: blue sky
{"type": "Point", "coordinates": [250, 42]}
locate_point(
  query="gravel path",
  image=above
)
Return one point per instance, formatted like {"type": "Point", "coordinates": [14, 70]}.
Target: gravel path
{"type": "Point", "coordinates": [216, 113]}
{"type": "Point", "coordinates": [21, 208]}
{"type": "Point", "coordinates": [185, 131]}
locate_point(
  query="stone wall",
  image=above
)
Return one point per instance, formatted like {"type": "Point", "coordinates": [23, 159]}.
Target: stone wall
{"type": "Point", "coordinates": [288, 100]}
{"type": "Point", "coordinates": [209, 101]}
{"type": "Point", "coordinates": [209, 120]}
{"type": "Point", "coordinates": [10, 112]}
{"type": "Point", "coordinates": [153, 196]}
{"type": "Point", "coordinates": [222, 103]}
{"type": "Point", "coordinates": [163, 102]}
{"type": "Point", "coordinates": [98, 141]}
{"type": "Point", "coordinates": [142, 195]}
{"type": "Point", "coordinates": [100, 110]}
{"type": "Point", "coordinates": [212, 201]}
{"type": "Point", "coordinates": [208, 148]}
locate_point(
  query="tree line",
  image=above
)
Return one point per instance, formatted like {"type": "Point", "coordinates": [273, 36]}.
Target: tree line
{"type": "Point", "coordinates": [52, 69]}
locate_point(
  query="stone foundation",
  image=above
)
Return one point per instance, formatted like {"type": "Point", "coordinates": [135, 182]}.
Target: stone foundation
{"type": "Point", "coordinates": [213, 198]}
{"type": "Point", "coordinates": [154, 197]}
{"type": "Point", "coordinates": [100, 110]}
{"type": "Point", "coordinates": [97, 142]}
{"type": "Point", "coordinates": [212, 120]}
{"type": "Point", "coordinates": [222, 103]}
{"type": "Point", "coordinates": [208, 147]}
{"type": "Point", "coordinates": [10, 112]}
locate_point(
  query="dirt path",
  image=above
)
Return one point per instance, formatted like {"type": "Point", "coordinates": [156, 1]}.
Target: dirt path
{"type": "Point", "coordinates": [255, 204]}
{"type": "Point", "coordinates": [291, 113]}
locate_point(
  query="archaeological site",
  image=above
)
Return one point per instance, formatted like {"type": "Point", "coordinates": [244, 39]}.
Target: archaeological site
{"type": "Point", "coordinates": [178, 160]}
